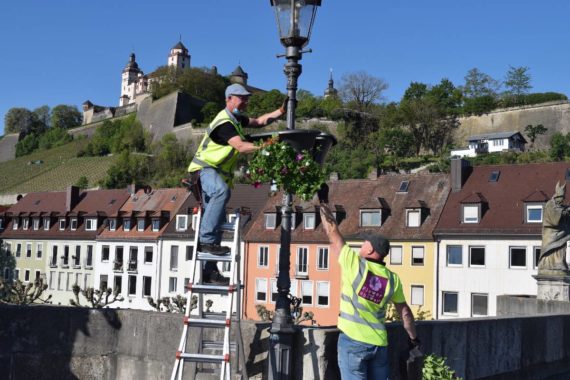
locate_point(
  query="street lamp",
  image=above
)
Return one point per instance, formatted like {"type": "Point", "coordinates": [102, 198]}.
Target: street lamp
{"type": "Point", "coordinates": [295, 20]}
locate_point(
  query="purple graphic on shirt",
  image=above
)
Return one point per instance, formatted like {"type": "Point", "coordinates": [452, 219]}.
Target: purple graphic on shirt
{"type": "Point", "coordinates": [373, 288]}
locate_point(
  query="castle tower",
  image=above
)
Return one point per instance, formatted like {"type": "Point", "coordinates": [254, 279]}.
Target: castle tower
{"type": "Point", "coordinates": [130, 75]}
{"type": "Point", "coordinates": [179, 56]}
{"type": "Point", "coordinates": [331, 91]}
{"type": "Point", "coordinates": [239, 76]}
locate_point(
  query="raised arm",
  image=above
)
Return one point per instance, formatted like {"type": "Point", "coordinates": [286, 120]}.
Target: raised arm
{"type": "Point", "coordinates": [266, 119]}
{"type": "Point", "coordinates": [407, 319]}
{"type": "Point", "coordinates": [331, 228]}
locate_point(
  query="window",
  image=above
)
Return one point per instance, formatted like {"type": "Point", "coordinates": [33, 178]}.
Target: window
{"type": "Point", "coordinates": [181, 222]}
{"type": "Point", "coordinates": [77, 279]}
{"type": "Point", "coordinates": [103, 282]}
{"type": "Point", "coordinates": [53, 261]}
{"type": "Point", "coordinates": [105, 253]}
{"type": "Point", "coordinates": [73, 224]}
{"type": "Point", "coordinates": [270, 221]}
{"type": "Point", "coordinates": [118, 284]}
{"type": "Point", "coordinates": [307, 292]}
{"type": "Point", "coordinates": [454, 255]}
{"type": "Point", "coordinates": [61, 224]}
{"type": "Point", "coordinates": [25, 223]}
{"type": "Point", "coordinates": [140, 225]}
{"type": "Point", "coordinates": [89, 258]}
{"type": "Point", "coordinates": [263, 256]}
{"type": "Point", "coordinates": [132, 285]}
{"type": "Point", "coordinates": [52, 278]}
{"type": "Point", "coordinates": [449, 304]}
{"type": "Point", "coordinates": [148, 251]}
{"type": "Point", "coordinates": [36, 224]}
{"type": "Point", "coordinates": [133, 258]}
{"type": "Point", "coordinates": [417, 255]}
{"type": "Point", "coordinates": [172, 284]}
{"type": "Point", "coordinates": [536, 251]}
{"type": "Point", "coordinates": [15, 223]}
{"type": "Point", "coordinates": [479, 305]}
{"type": "Point", "coordinates": [28, 249]}
{"type": "Point", "coordinates": [476, 256]}
{"type": "Point", "coordinates": [27, 275]}
{"type": "Point", "coordinates": [91, 224]}
{"type": "Point", "coordinates": [18, 250]}
{"type": "Point", "coordinates": [274, 293]}
{"type": "Point", "coordinates": [261, 289]}
{"type": "Point", "coordinates": [86, 281]}
{"type": "Point", "coordinates": [232, 218]}
{"type": "Point", "coordinates": [294, 289]}
{"type": "Point", "coordinates": [60, 281]}
{"type": "Point", "coordinates": [174, 258]}
{"type": "Point", "coordinates": [534, 213]}
{"type": "Point", "coordinates": [112, 224]}
{"type": "Point", "coordinates": [404, 187]}
{"type": "Point", "coordinates": [302, 254]}
{"type": "Point", "coordinates": [309, 221]}
{"type": "Point", "coordinates": [517, 257]}
{"type": "Point", "coordinates": [189, 252]}
{"type": "Point", "coordinates": [396, 255]}
{"type": "Point", "coordinates": [226, 266]}
{"type": "Point", "coordinates": [494, 176]}
{"type": "Point", "coordinates": [37, 276]}
{"type": "Point", "coordinates": [155, 225]}
{"type": "Point", "coordinates": [470, 214]}
{"type": "Point", "coordinates": [323, 291]}
{"type": "Point", "coordinates": [194, 221]}
{"type": "Point", "coordinates": [370, 218]}
{"type": "Point", "coordinates": [65, 262]}
{"type": "Point", "coordinates": [8, 249]}
{"type": "Point", "coordinates": [46, 223]}
{"type": "Point", "coordinates": [126, 225]}
{"type": "Point", "coordinates": [39, 250]}
{"type": "Point", "coordinates": [413, 218]}
{"type": "Point", "coordinates": [417, 297]}
{"type": "Point", "coordinates": [186, 282]}
{"type": "Point", "coordinates": [77, 257]}
{"type": "Point", "coordinates": [322, 258]}
{"type": "Point", "coordinates": [147, 286]}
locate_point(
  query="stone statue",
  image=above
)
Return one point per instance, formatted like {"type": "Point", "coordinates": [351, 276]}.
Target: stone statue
{"type": "Point", "coordinates": [555, 234]}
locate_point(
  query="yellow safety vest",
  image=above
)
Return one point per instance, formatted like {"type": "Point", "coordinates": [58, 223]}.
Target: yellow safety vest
{"type": "Point", "coordinates": [366, 289]}
{"type": "Point", "coordinates": [212, 155]}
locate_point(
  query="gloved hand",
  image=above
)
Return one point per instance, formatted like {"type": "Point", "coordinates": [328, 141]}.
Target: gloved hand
{"type": "Point", "coordinates": [414, 343]}
{"type": "Point", "coordinates": [284, 106]}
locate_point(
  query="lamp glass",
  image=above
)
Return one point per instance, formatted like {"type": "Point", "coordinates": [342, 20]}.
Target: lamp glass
{"type": "Point", "coordinates": [294, 20]}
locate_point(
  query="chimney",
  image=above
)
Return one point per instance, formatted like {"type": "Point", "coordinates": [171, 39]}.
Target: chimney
{"type": "Point", "coordinates": [460, 170]}
{"type": "Point", "coordinates": [72, 198]}
{"type": "Point", "coordinates": [373, 174]}
{"type": "Point", "coordinates": [333, 177]}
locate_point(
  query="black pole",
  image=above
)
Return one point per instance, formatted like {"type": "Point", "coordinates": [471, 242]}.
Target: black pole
{"type": "Point", "coordinates": [282, 328]}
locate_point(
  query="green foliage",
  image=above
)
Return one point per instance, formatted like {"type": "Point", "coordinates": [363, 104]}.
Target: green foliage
{"type": "Point", "coordinates": [19, 293]}
{"type": "Point", "coordinates": [261, 103]}
{"type": "Point", "coordinates": [559, 146]}
{"type": "Point", "coordinates": [54, 137]}
{"type": "Point", "coordinates": [533, 131]}
{"type": "Point", "coordinates": [82, 182]}
{"type": "Point", "coordinates": [295, 173]}
{"type": "Point", "coordinates": [350, 162]}
{"type": "Point", "coordinates": [479, 105]}
{"type": "Point", "coordinates": [116, 136]}
{"type": "Point", "coordinates": [209, 112]}
{"type": "Point", "coordinates": [27, 145]}
{"type": "Point", "coordinates": [171, 158]}
{"type": "Point", "coordinates": [435, 368]}
{"type": "Point", "coordinates": [517, 81]}
{"type": "Point", "coordinates": [529, 99]}
{"type": "Point", "coordinates": [393, 316]}
{"type": "Point", "coordinates": [65, 117]}
{"type": "Point", "coordinates": [480, 85]}
{"type": "Point", "coordinates": [22, 120]}
{"type": "Point", "coordinates": [129, 168]}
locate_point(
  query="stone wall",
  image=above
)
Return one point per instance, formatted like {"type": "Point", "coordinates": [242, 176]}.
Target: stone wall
{"type": "Point", "coordinates": [8, 147]}
{"type": "Point", "coordinates": [47, 342]}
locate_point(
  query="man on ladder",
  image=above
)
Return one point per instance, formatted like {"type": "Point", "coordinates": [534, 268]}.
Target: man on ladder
{"type": "Point", "coordinates": [214, 164]}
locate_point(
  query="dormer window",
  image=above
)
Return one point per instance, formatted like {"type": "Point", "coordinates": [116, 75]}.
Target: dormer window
{"type": "Point", "coordinates": [25, 223]}
{"type": "Point", "coordinates": [140, 224]}
{"type": "Point", "coordinates": [404, 187]}
{"type": "Point", "coordinates": [36, 224]}
{"type": "Point", "coordinates": [270, 221]}
{"type": "Point", "coordinates": [309, 220]}
{"type": "Point", "coordinates": [90, 224]}
{"type": "Point", "coordinates": [47, 223]}
{"type": "Point", "coordinates": [126, 224]}
{"type": "Point", "coordinates": [155, 225]}
{"type": "Point", "coordinates": [112, 224]}
{"type": "Point", "coordinates": [61, 224]}
{"type": "Point", "coordinates": [371, 218]}
{"type": "Point", "coordinates": [533, 213]}
{"type": "Point", "coordinates": [413, 217]}
{"type": "Point", "coordinates": [181, 222]}
{"type": "Point", "coordinates": [471, 213]}
{"type": "Point", "coordinates": [73, 224]}
{"type": "Point", "coordinates": [15, 223]}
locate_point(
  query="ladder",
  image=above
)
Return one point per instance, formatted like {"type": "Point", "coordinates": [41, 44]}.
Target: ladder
{"type": "Point", "coordinates": [230, 349]}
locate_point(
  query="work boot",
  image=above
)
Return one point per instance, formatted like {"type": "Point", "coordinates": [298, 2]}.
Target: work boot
{"type": "Point", "coordinates": [215, 278]}
{"type": "Point", "coordinates": [214, 249]}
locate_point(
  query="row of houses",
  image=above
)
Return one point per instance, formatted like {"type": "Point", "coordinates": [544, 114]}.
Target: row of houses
{"type": "Point", "coordinates": [457, 240]}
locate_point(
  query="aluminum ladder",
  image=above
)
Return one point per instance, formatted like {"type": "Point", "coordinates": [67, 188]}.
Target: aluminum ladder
{"type": "Point", "coordinates": [231, 349]}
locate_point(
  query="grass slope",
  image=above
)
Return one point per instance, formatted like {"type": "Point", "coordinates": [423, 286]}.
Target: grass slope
{"type": "Point", "coordinates": [60, 168]}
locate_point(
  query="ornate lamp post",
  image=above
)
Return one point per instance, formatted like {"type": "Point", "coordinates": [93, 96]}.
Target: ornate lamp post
{"type": "Point", "coordinates": [294, 20]}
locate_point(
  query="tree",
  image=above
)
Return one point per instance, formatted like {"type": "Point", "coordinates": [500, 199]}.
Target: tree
{"type": "Point", "coordinates": [517, 81]}
{"type": "Point", "coordinates": [43, 114]}
{"type": "Point", "coordinates": [96, 299]}
{"type": "Point", "coordinates": [263, 102]}
{"type": "Point", "coordinates": [82, 182]}
{"type": "Point", "coordinates": [65, 117]}
{"type": "Point", "coordinates": [361, 89]}
{"type": "Point", "coordinates": [21, 120]}
{"type": "Point", "coordinates": [478, 84]}
{"type": "Point", "coordinates": [533, 131]}
{"type": "Point", "coordinates": [18, 293]}
{"type": "Point", "coordinates": [559, 147]}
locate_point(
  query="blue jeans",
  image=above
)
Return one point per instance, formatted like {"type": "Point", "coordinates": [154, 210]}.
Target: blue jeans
{"type": "Point", "coordinates": [358, 360]}
{"type": "Point", "coordinates": [215, 195]}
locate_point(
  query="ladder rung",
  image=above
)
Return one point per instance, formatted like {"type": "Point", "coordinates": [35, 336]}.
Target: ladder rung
{"type": "Point", "coordinates": [209, 257]}
{"type": "Point", "coordinates": [211, 289]}
{"type": "Point", "coordinates": [228, 226]}
{"type": "Point", "coordinates": [202, 358]}
{"type": "Point", "coordinates": [203, 322]}
{"type": "Point", "coordinates": [217, 345]}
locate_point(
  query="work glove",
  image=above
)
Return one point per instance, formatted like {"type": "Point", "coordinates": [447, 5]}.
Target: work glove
{"type": "Point", "coordinates": [284, 106]}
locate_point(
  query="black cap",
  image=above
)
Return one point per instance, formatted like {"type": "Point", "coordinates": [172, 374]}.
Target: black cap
{"type": "Point", "coordinates": [379, 243]}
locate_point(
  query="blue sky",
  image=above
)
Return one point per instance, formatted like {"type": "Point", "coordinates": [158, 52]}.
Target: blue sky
{"type": "Point", "coordinates": [69, 51]}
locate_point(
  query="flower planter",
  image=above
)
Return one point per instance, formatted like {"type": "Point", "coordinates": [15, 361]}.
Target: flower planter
{"type": "Point", "coordinates": [299, 139]}
{"type": "Point", "coordinates": [323, 143]}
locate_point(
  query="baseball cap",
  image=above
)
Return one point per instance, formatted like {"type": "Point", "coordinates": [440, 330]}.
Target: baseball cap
{"type": "Point", "coordinates": [236, 89]}
{"type": "Point", "coordinates": [379, 243]}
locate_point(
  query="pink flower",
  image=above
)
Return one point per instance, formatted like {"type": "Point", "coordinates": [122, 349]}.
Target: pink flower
{"type": "Point", "coordinates": [257, 185]}
{"type": "Point", "coordinates": [284, 170]}
{"type": "Point", "coordinates": [299, 157]}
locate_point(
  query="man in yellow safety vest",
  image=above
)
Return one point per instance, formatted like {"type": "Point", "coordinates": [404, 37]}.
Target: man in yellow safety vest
{"type": "Point", "coordinates": [215, 161]}
{"type": "Point", "coordinates": [367, 287]}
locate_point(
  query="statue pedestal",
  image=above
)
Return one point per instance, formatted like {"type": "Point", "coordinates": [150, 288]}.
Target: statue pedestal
{"type": "Point", "coordinates": [555, 287]}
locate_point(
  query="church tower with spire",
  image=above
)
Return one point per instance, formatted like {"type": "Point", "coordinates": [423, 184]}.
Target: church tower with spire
{"type": "Point", "coordinates": [179, 56]}
{"type": "Point", "coordinates": [331, 91]}
{"type": "Point", "coordinates": [131, 75]}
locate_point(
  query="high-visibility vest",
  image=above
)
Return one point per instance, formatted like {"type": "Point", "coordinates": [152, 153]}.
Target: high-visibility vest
{"type": "Point", "coordinates": [367, 288]}
{"type": "Point", "coordinates": [212, 155]}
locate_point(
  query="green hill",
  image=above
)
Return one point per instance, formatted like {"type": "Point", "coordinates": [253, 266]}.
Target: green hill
{"type": "Point", "coordinates": [52, 170]}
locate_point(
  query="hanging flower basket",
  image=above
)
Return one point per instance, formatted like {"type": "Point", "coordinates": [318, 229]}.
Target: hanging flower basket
{"type": "Point", "coordinates": [293, 171]}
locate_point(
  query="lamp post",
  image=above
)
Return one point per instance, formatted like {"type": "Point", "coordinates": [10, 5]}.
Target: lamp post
{"type": "Point", "coordinates": [294, 21]}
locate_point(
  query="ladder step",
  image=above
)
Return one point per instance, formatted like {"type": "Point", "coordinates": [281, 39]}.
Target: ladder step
{"type": "Point", "coordinates": [203, 322]}
{"type": "Point", "coordinates": [202, 358]}
{"type": "Point", "coordinates": [212, 289]}
{"type": "Point", "coordinates": [228, 226]}
{"type": "Point", "coordinates": [217, 345]}
{"type": "Point", "coordinates": [209, 257]}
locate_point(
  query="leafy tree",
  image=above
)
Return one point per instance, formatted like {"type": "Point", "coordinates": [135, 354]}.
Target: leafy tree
{"type": "Point", "coordinates": [129, 168]}
{"type": "Point", "coordinates": [27, 145]}
{"type": "Point", "coordinates": [478, 84]}
{"type": "Point", "coordinates": [479, 105]}
{"type": "Point", "coordinates": [82, 182]}
{"type": "Point", "coordinates": [22, 120]}
{"type": "Point", "coordinates": [307, 105]}
{"type": "Point", "coordinates": [517, 83]}
{"type": "Point", "coordinates": [171, 158]}
{"type": "Point", "coordinates": [330, 104]}
{"type": "Point", "coordinates": [361, 90]}
{"type": "Point", "coordinates": [43, 114]}
{"type": "Point", "coordinates": [263, 102]}
{"type": "Point", "coordinates": [533, 131]}
{"type": "Point", "coordinates": [559, 147]}
{"type": "Point", "coordinates": [54, 137]}
{"type": "Point", "coordinates": [96, 298]}
{"type": "Point", "coordinates": [65, 117]}
{"type": "Point", "coordinates": [209, 111]}
{"type": "Point", "coordinates": [18, 293]}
